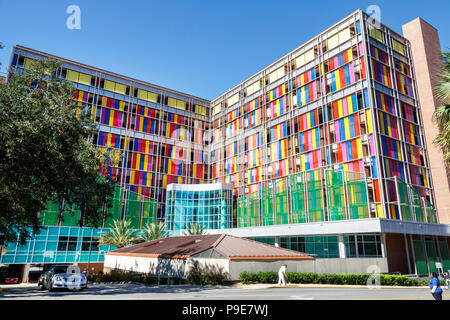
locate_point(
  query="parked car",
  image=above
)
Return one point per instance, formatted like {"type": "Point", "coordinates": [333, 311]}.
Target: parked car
{"type": "Point", "coordinates": [12, 280]}
{"type": "Point", "coordinates": [62, 277]}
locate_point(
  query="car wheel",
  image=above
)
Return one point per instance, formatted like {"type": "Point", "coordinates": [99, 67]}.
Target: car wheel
{"type": "Point", "coordinates": [41, 286]}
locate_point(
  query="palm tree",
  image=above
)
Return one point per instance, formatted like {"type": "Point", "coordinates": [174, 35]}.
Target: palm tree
{"type": "Point", "coordinates": [120, 236]}
{"type": "Point", "coordinates": [194, 229]}
{"type": "Point", "coordinates": [152, 231]}
{"type": "Point", "coordinates": [442, 113]}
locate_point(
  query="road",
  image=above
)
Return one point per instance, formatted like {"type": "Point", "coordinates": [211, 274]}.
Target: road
{"type": "Point", "coordinates": [248, 292]}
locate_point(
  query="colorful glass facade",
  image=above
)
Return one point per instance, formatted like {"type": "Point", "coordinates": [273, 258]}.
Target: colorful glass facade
{"type": "Point", "coordinates": [339, 114]}
{"type": "Point", "coordinates": [331, 131]}
{"type": "Point", "coordinates": [150, 125]}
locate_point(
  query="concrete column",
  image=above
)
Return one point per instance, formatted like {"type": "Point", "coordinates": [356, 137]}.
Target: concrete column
{"type": "Point", "coordinates": [407, 253]}
{"type": "Point", "coordinates": [383, 245]}
{"type": "Point", "coordinates": [26, 273]}
{"type": "Point", "coordinates": [342, 251]}
{"type": "Point", "coordinates": [413, 254]}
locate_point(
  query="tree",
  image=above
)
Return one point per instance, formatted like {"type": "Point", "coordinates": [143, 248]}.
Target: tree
{"type": "Point", "coordinates": [120, 236]}
{"type": "Point", "coordinates": [152, 231]}
{"type": "Point", "coordinates": [45, 153]}
{"type": "Point", "coordinates": [194, 229]}
{"type": "Point", "coordinates": [442, 113]}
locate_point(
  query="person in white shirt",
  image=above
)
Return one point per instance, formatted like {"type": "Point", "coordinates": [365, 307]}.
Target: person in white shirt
{"type": "Point", "coordinates": [281, 274]}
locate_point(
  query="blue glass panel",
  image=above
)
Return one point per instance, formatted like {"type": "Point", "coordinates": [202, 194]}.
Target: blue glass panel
{"type": "Point", "coordinates": [60, 257]}
{"type": "Point", "coordinates": [21, 258]}
{"type": "Point", "coordinates": [51, 246]}
{"type": "Point", "coordinates": [74, 232]}
{"type": "Point", "coordinates": [54, 231]}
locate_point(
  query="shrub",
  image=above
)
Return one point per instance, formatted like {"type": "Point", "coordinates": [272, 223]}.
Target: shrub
{"type": "Point", "coordinates": [345, 278]}
{"type": "Point", "coordinates": [205, 276]}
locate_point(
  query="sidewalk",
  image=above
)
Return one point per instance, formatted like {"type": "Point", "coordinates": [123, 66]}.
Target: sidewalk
{"type": "Point", "coordinates": [317, 285]}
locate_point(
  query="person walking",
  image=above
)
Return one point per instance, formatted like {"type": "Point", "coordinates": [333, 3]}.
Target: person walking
{"type": "Point", "coordinates": [281, 274]}
{"type": "Point", "coordinates": [436, 290]}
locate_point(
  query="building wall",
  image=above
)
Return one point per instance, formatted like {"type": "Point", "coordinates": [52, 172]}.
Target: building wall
{"type": "Point", "coordinates": [396, 253]}
{"type": "Point", "coordinates": [162, 266]}
{"type": "Point", "coordinates": [426, 50]}
{"type": "Point", "coordinates": [348, 265]}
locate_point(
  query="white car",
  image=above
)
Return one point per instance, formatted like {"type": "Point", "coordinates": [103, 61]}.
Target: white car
{"type": "Point", "coordinates": [63, 277]}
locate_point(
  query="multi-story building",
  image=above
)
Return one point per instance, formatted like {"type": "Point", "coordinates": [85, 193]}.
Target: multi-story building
{"type": "Point", "coordinates": [324, 150]}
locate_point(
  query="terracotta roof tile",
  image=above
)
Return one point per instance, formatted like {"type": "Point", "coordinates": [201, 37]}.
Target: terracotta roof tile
{"type": "Point", "coordinates": [234, 248]}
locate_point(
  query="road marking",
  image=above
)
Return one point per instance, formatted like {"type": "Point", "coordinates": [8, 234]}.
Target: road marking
{"type": "Point", "coordinates": [405, 298]}
{"type": "Point", "coordinates": [301, 298]}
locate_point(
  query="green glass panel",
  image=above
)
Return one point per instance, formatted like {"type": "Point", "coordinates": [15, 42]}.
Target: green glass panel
{"type": "Point", "coordinates": [419, 255]}
{"type": "Point", "coordinates": [314, 194]}
{"type": "Point", "coordinates": [357, 195]}
{"type": "Point", "coordinates": [267, 206]}
{"type": "Point", "coordinates": [445, 255]}
{"type": "Point", "coordinates": [335, 195]}
{"type": "Point", "coordinates": [297, 188]}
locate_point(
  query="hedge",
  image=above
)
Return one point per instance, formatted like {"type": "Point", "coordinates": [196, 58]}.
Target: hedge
{"type": "Point", "coordinates": [344, 278]}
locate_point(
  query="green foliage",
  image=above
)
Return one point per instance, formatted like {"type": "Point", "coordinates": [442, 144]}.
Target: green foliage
{"type": "Point", "coordinates": [120, 236]}
{"type": "Point", "coordinates": [194, 229]}
{"type": "Point", "coordinates": [442, 114]}
{"type": "Point", "coordinates": [45, 153]}
{"type": "Point", "coordinates": [118, 276]}
{"type": "Point", "coordinates": [206, 276]}
{"type": "Point", "coordinates": [152, 231]}
{"type": "Point", "coordinates": [312, 278]}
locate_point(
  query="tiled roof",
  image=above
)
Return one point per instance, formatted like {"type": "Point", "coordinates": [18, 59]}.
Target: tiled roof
{"type": "Point", "coordinates": [234, 248]}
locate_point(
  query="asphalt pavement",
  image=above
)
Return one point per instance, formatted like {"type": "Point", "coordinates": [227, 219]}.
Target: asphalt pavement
{"type": "Point", "coordinates": [131, 291]}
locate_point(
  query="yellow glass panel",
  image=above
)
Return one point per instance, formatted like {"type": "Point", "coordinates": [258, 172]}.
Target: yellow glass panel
{"type": "Point", "coordinates": [109, 85]}
{"type": "Point", "coordinates": [120, 88]}
{"type": "Point", "coordinates": [398, 46]}
{"type": "Point", "coordinates": [85, 79]}
{"type": "Point", "coordinates": [200, 109]}
{"type": "Point", "coordinates": [233, 99]}
{"type": "Point", "coordinates": [171, 102]}
{"type": "Point", "coordinates": [333, 41]}
{"type": "Point", "coordinates": [72, 75]}
{"type": "Point", "coordinates": [255, 86]}
{"type": "Point", "coordinates": [181, 104]}
{"type": "Point", "coordinates": [275, 75]}
{"type": "Point", "coordinates": [309, 55]}
{"type": "Point", "coordinates": [142, 94]}
{"type": "Point", "coordinates": [27, 63]}
{"type": "Point", "coordinates": [217, 108]}
{"type": "Point", "coordinates": [344, 35]}
{"type": "Point", "coordinates": [152, 97]}
{"type": "Point", "coordinates": [375, 33]}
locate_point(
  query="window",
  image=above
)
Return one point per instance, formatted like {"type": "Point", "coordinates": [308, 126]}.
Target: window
{"type": "Point", "coordinates": [363, 246]}
{"type": "Point", "coordinates": [89, 244]}
{"type": "Point", "coordinates": [67, 243]}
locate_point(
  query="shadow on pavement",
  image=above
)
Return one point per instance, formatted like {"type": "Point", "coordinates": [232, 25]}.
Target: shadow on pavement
{"type": "Point", "coordinates": [99, 290]}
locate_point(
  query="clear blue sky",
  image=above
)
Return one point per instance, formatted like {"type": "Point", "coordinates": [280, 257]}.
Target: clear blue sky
{"type": "Point", "coordinates": [198, 47]}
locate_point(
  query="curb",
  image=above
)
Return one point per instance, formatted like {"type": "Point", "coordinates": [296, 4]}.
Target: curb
{"type": "Point", "coordinates": [272, 286]}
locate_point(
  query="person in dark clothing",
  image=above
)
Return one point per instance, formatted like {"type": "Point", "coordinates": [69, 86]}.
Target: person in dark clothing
{"type": "Point", "coordinates": [436, 290]}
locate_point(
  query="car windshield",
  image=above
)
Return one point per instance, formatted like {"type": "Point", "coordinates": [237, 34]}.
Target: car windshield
{"type": "Point", "coordinates": [60, 269]}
